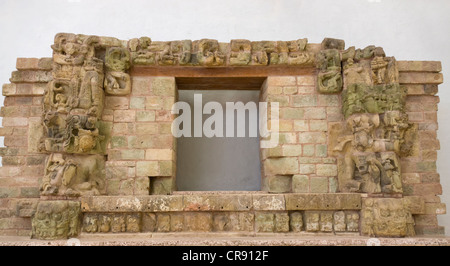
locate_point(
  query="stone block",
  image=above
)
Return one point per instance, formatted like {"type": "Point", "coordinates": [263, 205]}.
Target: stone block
{"type": "Point", "coordinates": [226, 202]}
{"type": "Point", "coordinates": [326, 221]}
{"type": "Point", "coordinates": [323, 201]}
{"type": "Point", "coordinates": [162, 185]}
{"type": "Point", "coordinates": [420, 78]}
{"type": "Point", "coordinates": [315, 113]}
{"type": "Point", "coordinates": [124, 116]}
{"type": "Point", "coordinates": [419, 66]}
{"type": "Point", "coordinates": [163, 86]}
{"type": "Point", "coordinates": [279, 183]}
{"type": "Point", "coordinates": [117, 103]}
{"type": "Point", "coordinates": [306, 80]}
{"type": "Point", "coordinates": [31, 76]}
{"type": "Point", "coordinates": [304, 100]}
{"type": "Point", "coordinates": [281, 166]}
{"type": "Point", "coordinates": [176, 222]}
{"type": "Point", "coordinates": [148, 222]}
{"type": "Point", "coordinates": [137, 102]}
{"type": "Point", "coordinates": [339, 221]}
{"type": "Point", "coordinates": [162, 222]}
{"type": "Point", "coordinates": [268, 202]}
{"type": "Point", "coordinates": [198, 222]}
{"type": "Point", "coordinates": [264, 222]}
{"type": "Point", "coordinates": [147, 168]}
{"type": "Point", "coordinates": [300, 184]}
{"type": "Point", "coordinates": [281, 81]}
{"type": "Point", "coordinates": [318, 184]}
{"type": "Point", "coordinates": [312, 219]}
{"type": "Point", "coordinates": [326, 170]}
{"type": "Point", "coordinates": [281, 222]}
{"type": "Point", "coordinates": [312, 137]}
{"type": "Point", "coordinates": [291, 150]}
{"type": "Point", "coordinates": [291, 113]}
{"type": "Point", "coordinates": [296, 221]}
{"type": "Point", "coordinates": [145, 116]}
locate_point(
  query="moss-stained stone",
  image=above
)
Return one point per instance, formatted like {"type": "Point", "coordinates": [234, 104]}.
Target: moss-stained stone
{"type": "Point", "coordinates": [279, 183]}
{"type": "Point", "coordinates": [264, 222]}
{"type": "Point", "coordinates": [296, 221]}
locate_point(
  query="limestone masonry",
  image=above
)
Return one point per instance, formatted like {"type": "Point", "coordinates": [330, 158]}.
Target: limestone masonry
{"type": "Point", "coordinates": [89, 147]}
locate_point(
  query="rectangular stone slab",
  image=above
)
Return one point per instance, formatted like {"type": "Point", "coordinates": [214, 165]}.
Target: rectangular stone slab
{"type": "Point", "coordinates": [341, 201]}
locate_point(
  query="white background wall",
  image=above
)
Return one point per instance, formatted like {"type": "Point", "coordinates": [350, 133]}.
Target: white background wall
{"type": "Point", "coordinates": [406, 29]}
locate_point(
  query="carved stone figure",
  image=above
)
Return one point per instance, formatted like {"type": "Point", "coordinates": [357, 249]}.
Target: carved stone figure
{"type": "Point", "coordinates": [241, 52]}
{"type": "Point", "coordinates": [312, 221]}
{"type": "Point", "coordinates": [296, 221]}
{"type": "Point", "coordinates": [370, 164]}
{"type": "Point", "coordinates": [298, 55]}
{"type": "Point", "coordinates": [117, 81]}
{"type": "Point", "coordinates": [386, 217]}
{"type": "Point", "coordinates": [56, 220]}
{"type": "Point", "coordinates": [329, 79]}
{"type": "Point", "coordinates": [209, 54]}
{"type": "Point", "coordinates": [73, 176]}
{"type": "Point", "coordinates": [140, 51]}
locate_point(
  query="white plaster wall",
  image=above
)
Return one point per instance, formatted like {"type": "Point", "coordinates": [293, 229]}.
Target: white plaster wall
{"type": "Point", "coordinates": [407, 29]}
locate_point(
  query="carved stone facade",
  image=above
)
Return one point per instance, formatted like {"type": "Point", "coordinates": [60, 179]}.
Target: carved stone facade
{"type": "Point", "coordinates": [356, 152]}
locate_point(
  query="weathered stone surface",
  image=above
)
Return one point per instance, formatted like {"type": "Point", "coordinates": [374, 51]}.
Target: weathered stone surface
{"type": "Point", "coordinates": [296, 221]}
{"type": "Point", "coordinates": [56, 220]}
{"type": "Point", "coordinates": [217, 202]}
{"type": "Point", "coordinates": [339, 221]}
{"type": "Point", "coordinates": [419, 66]}
{"type": "Point", "coordinates": [281, 222]}
{"type": "Point", "coordinates": [199, 221]}
{"type": "Point", "coordinates": [279, 183]}
{"type": "Point", "coordinates": [341, 201]}
{"type": "Point", "coordinates": [386, 218]}
{"type": "Point", "coordinates": [312, 219]}
{"type": "Point", "coordinates": [268, 202]}
{"type": "Point", "coordinates": [264, 222]}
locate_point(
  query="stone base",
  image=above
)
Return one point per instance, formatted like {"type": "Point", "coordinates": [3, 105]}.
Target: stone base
{"type": "Point", "coordinates": [227, 239]}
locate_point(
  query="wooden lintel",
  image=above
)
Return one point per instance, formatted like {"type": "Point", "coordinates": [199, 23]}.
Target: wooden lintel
{"type": "Point", "coordinates": [247, 71]}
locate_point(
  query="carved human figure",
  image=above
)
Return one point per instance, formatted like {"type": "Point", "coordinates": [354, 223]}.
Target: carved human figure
{"type": "Point", "coordinates": [355, 73]}
{"type": "Point", "coordinates": [91, 90]}
{"type": "Point", "coordinates": [58, 175]}
{"type": "Point", "coordinates": [379, 66]}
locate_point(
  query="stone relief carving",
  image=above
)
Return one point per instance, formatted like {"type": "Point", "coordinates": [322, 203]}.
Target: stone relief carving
{"type": "Point", "coordinates": [117, 81]}
{"type": "Point", "coordinates": [329, 79]}
{"type": "Point", "coordinates": [209, 54]}
{"type": "Point", "coordinates": [73, 175]}
{"type": "Point", "coordinates": [56, 220]}
{"type": "Point", "coordinates": [378, 130]}
{"type": "Point", "coordinates": [386, 218]}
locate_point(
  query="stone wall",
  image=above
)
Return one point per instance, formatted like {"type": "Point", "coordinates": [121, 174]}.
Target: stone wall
{"type": "Point", "coordinates": [301, 163]}
{"type": "Point", "coordinates": [88, 137]}
{"type": "Point", "coordinates": [419, 175]}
